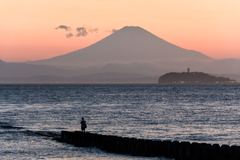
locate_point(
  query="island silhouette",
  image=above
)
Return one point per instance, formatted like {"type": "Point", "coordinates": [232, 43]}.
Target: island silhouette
{"type": "Point", "coordinates": [192, 77]}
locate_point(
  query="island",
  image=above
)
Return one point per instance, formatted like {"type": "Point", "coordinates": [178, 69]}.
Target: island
{"type": "Point", "coordinates": [192, 77]}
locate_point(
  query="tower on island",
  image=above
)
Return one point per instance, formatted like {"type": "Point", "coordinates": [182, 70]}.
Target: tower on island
{"type": "Point", "coordinates": [188, 70]}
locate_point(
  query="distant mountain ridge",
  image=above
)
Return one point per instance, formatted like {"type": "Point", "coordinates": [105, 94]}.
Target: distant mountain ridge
{"type": "Point", "coordinates": [28, 70]}
{"type": "Point", "coordinates": [93, 78]}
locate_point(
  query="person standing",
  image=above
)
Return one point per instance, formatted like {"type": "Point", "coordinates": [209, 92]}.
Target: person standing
{"type": "Point", "coordinates": [83, 125]}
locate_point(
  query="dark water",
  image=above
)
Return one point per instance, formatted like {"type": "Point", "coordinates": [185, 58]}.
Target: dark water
{"type": "Point", "coordinates": [195, 113]}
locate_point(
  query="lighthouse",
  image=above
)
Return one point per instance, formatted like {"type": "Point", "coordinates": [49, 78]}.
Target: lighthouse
{"type": "Point", "coordinates": [188, 70]}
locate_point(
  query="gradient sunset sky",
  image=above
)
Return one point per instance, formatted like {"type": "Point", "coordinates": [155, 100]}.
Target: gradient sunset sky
{"type": "Point", "coordinates": [28, 27]}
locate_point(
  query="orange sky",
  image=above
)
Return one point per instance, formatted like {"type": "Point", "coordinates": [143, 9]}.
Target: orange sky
{"type": "Point", "coordinates": [28, 26]}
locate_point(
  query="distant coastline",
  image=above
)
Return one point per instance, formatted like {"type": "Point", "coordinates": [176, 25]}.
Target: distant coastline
{"type": "Point", "coordinates": [193, 77]}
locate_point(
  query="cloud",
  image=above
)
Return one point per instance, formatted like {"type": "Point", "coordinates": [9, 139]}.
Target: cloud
{"type": "Point", "coordinates": [69, 35]}
{"type": "Point", "coordinates": [82, 31]}
{"type": "Point", "coordinates": [112, 31]}
{"type": "Point", "coordinates": [64, 27]}
{"type": "Point", "coordinates": [92, 30]}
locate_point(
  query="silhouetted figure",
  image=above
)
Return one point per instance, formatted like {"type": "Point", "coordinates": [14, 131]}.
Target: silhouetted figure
{"type": "Point", "coordinates": [83, 125]}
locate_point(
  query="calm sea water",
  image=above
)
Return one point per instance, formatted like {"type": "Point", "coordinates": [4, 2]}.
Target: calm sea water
{"type": "Point", "coordinates": [195, 113]}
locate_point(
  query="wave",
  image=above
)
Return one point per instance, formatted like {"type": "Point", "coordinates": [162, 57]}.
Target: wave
{"type": "Point", "coordinates": [7, 127]}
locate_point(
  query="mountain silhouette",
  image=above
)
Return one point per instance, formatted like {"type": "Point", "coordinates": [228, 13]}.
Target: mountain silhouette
{"type": "Point", "coordinates": [129, 44]}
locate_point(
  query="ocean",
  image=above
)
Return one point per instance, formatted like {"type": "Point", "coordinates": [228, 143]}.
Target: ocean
{"type": "Point", "coordinates": [186, 112]}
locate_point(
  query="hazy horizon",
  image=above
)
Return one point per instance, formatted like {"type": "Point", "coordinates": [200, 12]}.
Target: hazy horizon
{"type": "Point", "coordinates": [129, 51]}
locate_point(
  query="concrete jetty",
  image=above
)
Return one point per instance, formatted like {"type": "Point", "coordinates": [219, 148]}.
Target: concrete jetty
{"type": "Point", "coordinates": [152, 148]}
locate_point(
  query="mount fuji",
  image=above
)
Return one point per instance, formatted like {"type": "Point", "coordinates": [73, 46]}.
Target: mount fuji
{"type": "Point", "coordinates": [127, 45]}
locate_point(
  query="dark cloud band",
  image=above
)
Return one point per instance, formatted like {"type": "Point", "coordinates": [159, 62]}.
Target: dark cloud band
{"type": "Point", "coordinates": [82, 31]}
{"type": "Point", "coordinates": [64, 27]}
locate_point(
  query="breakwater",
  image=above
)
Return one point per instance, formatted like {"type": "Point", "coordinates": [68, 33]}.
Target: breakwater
{"type": "Point", "coordinates": [152, 148]}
